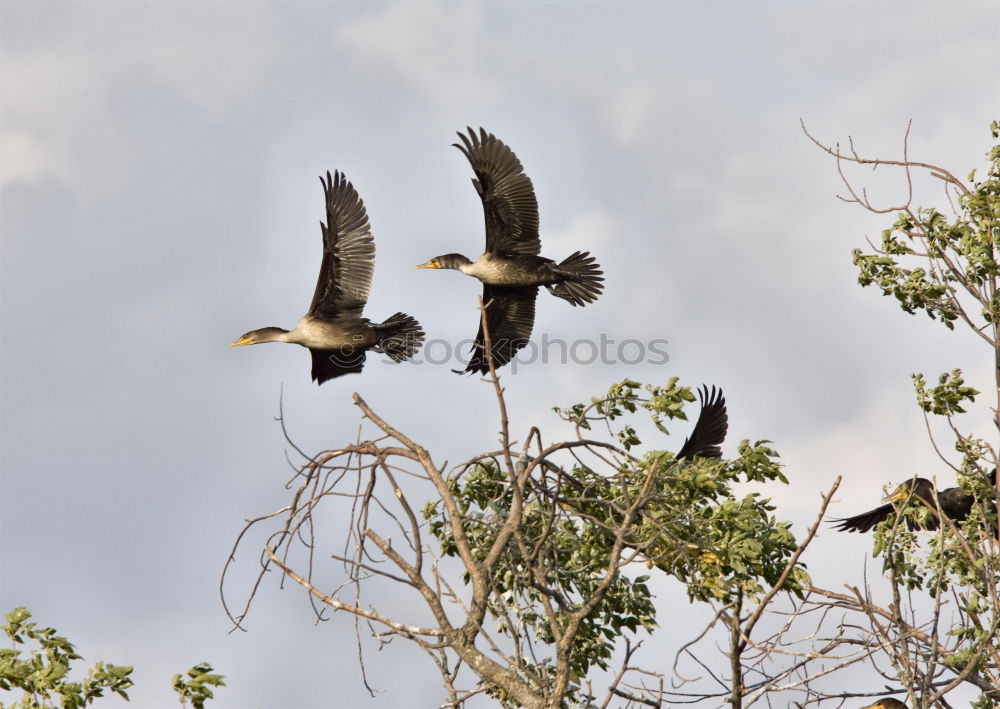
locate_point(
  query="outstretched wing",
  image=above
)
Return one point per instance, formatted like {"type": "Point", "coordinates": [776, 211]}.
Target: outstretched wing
{"type": "Point", "coordinates": [710, 428]}
{"type": "Point", "coordinates": [921, 493]}
{"type": "Point", "coordinates": [510, 315]}
{"type": "Point", "coordinates": [509, 204]}
{"type": "Point", "coordinates": [345, 275]}
{"type": "Point", "coordinates": [328, 364]}
{"type": "Point", "coordinates": [864, 521]}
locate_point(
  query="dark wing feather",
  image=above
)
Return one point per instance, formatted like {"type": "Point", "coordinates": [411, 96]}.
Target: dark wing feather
{"type": "Point", "coordinates": [867, 520]}
{"type": "Point", "coordinates": [510, 315]}
{"type": "Point", "coordinates": [345, 275]}
{"type": "Point", "coordinates": [509, 205]}
{"type": "Point", "coordinates": [710, 428]}
{"type": "Point", "coordinates": [328, 364]}
{"type": "Point", "coordinates": [864, 521]}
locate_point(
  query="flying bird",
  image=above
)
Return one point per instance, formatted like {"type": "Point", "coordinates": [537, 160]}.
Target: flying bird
{"type": "Point", "coordinates": [333, 330]}
{"type": "Point", "coordinates": [511, 268]}
{"type": "Point", "coordinates": [955, 504]}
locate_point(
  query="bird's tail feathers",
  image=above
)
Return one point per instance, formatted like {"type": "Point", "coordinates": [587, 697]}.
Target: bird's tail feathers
{"type": "Point", "coordinates": [584, 279]}
{"type": "Point", "coordinates": [400, 336]}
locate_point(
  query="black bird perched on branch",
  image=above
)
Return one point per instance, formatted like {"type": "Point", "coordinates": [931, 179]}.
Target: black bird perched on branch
{"type": "Point", "coordinates": [955, 504]}
{"type": "Point", "coordinates": [511, 268]}
{"type": "Point", "coordinates": [333, 330]}
{"type": "Point", "coordinates": [886, 703]}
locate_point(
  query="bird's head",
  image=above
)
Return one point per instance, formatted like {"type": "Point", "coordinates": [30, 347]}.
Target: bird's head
{"type": "Point", "coordinates": [917, 487]}
{"type": "Point", "coordinates": [255, 337]}
{"type": "Point", "coordinates": [886, 703]}
{"type": "Point", "coordinates": [455, 261]}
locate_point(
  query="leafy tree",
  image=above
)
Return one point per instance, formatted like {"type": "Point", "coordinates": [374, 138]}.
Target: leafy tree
{"type": "Point", "coordinates": [941, 262]}
{"type": "Point", "coordinates": [41, 675]}
{"type": "Point", "coordinates": [527, 558]}
{"type": "Point", "coordinates": [196, 685]}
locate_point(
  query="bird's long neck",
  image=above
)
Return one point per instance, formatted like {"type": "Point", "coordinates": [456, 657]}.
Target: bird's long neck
{"type": "Point", "coordinates": [455, 261]}
{"type": "Point", "coordinates": [272, 334]}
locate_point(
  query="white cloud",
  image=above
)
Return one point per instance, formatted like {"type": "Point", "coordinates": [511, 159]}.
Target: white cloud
{"type": "Point", "coordinates": [436, 47]}
{"type": "Point", "coordinates": [39, 91]}
{"type": "Point", "coordinates": [73, 108]}
{"type": "Point", "coordinates": [217, 60]}
{"type": "Point", "coordinates": [591, 231]}
{"type": "Point", "coordinates": [628, 111]}
{"type": "Point", "coordinates": [24, 158]}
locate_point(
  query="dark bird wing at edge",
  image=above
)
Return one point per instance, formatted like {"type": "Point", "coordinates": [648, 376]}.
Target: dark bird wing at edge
{"type": "Point", "coordinates": [328, 364]}
{"type": "Point", "coordinates": [710, 429]}
{"type": "Point", "coordinates": [916, 488]}
{"type": "Point", "coordinates": [510, 315]}
{"type": "Point", "coordinates": [509, 205]}
{"type": "Point", "coordinates": [866, 521]}
{"type": "Point", "coordinates": [345, 275]}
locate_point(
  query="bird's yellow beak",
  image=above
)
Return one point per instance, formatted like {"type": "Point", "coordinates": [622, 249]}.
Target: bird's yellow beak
{"type": "Point", "coordinates": [898, 494]}
{"type": "Point", "coordinates": [430, 264]}
{"type": "Point", "coordinates": [241, 341]}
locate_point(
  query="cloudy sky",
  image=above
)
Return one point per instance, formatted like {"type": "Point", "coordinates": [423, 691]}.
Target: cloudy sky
{"type": "Point", "coordinates": [159, 198]}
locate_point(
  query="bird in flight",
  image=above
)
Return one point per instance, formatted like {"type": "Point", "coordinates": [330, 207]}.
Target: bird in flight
{"type": "Point", "coordinates": [511, 269]}
{"type": "Point", "coordinates": [333, 330]}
